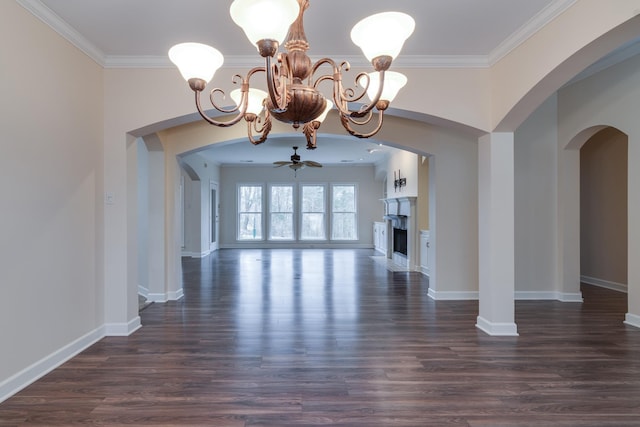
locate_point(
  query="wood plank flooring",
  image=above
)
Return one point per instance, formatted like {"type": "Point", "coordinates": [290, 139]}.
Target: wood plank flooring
{"type": "Point", "coordinates": [331, 338]}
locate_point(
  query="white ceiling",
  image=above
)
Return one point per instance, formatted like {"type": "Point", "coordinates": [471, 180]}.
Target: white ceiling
{"type": "Point", "coordinates": [448, 32]}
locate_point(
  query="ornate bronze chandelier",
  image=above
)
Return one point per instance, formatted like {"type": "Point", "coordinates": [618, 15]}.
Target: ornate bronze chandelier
{"type": "Point", "coordinates": [292, 80]}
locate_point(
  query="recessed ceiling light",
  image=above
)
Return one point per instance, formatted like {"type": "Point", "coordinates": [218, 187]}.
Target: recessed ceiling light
{"type": "Point", "coordinates": [346, 161]}
{"type": "Point", "coordinates": [246, 161]}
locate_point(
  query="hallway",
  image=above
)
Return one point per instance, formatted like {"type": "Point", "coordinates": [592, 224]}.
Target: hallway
{"type": "Point", "coordinates": [330, 337]}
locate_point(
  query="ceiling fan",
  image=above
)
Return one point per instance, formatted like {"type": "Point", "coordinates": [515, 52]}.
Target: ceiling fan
{"type": "Point", "coordinates": [295, 163]}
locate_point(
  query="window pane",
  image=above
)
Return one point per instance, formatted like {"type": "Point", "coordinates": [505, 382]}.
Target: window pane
{"type": "Point", "coordinates": [312, 221]}
{"type": "Point", "coordinates": [313, 198]}
{"type": "Point", "coordinates": [281, 198]}
{"type": "Point", "coordinates": [312, 226]}
{"type": "Point", "coordinates": [344, 199]}
{"type": "Point", "coordinates": [343, 212]}
{"type": "Point", "coordinates": [250, 226]}
{"type": "Point", "coordinates": [281, 213]}
{"type": "Point", "coordinates": [250, 199]}
{"type": "Point", "coordinates": [343, 226]}
{"type": "Point", "coordinates": [281, 226]}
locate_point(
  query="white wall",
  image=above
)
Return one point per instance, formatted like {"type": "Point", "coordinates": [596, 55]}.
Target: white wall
{"type": "Point", "coordinates": [198, 204]}
{"type": "Point", "coordinates": [51, 116]}
{"type": "Point", "coordinates": [369, 195]}
{"type": "Point", "coordinates": [536, 203]}
{"type": "Point", "coordinates": [402, 164]}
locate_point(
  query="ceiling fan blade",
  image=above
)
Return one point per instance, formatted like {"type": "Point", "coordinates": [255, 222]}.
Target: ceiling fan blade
{"type": "Point", "coordinates": [312, 164]}
{"type": "Point", "coordinates": [280, 163]}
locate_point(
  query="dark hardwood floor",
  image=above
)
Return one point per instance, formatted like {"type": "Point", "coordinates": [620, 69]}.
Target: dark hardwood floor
{"type": "Point", "coordinates": [320, 337]}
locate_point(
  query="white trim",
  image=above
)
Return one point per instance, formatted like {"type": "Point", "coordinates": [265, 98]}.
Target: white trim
{"type": "Point", "coordinates": [424, 270]}
{"type": "Point", "coordinates": [32, 373]}
{"type": "Point", "coordinates": [497, 329]}
{"type": "Point", "coordinates": [122, 329]}
{"type": "Point", "coordinates": [577, 297]}
{"type": "Point", "coordinates": [162, 297]}
{"type": "Point", "coordinates": [46, 15]}
{"type": "Point", "coordinates": [452, 296]}
{"type": "Point", "coordinates": [175, 295]}
{"type": "Point", "coordinates": [143, 291]}
{"type": "Point", "coordinates": [545, 16]}
{"type": "Point", "coordinates": [614, 286]}
{"type": "Point", "coordinates": [196, 254]}
{"type": "Point", "coordinates": [536, 295]}
{"type": "Point", "coordinates": [632, 320]}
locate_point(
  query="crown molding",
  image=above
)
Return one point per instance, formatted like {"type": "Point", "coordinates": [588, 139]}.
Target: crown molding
{"type": "Point", "coordinates": [46, 15]}
{"type": "Point", "coordinates": [250, 61]}
{"type": "Point", "coordinates": [546, 15]}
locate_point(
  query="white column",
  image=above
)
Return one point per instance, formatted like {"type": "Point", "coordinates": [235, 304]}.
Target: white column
{"type": "Point", "coordinates": [633, 246]}
{"type": "Point", "coordinates": [496, 234]}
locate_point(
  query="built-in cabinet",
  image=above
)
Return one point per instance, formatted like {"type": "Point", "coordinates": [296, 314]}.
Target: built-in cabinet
{"type": "Point", "coordinates": [424, 251]}
{"type": "Point", "coordinates": [380, 237]}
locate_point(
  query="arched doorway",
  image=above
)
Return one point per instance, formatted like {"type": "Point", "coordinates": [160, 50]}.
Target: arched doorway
{"type": "Point", "coordinates": [603, 210]}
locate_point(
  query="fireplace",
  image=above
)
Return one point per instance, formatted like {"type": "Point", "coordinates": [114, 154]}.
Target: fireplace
{"type": "Point", "coordinates": [400, 241]}
{"type": "Point", "coordinates": [400, 216]}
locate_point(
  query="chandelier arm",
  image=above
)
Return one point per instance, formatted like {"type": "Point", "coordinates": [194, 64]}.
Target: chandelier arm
{"type": "Point", "coordinates": [252, 125]}
{"type": "Point", "coordinates": [236, 119]}
{"type": "Point", "coordinates": [367, 119]}
{"type": "Point", "coordinates": [310, 130]}
{"type": "Point", "coordinates": [274, 91]}
{"type": "Point", "coordinates": [346, 124]}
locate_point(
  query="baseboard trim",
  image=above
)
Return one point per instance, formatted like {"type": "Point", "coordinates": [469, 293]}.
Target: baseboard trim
{"type": "Point", "coordinates": [143, 291]}
{"type": "Point", "coordinates": [452, 296]}
{"type": "Point", "coordinates": [536, 295]}
{"type": "Point", "coordinates": [167, 296]}
{"type": "Point", "coordinates": [632, 320]}
{"type": "Point", "coordinates": [175, 295]}
{"type": "Point", "coordinates": [29, 375]}
{"type": "Point", "coordinates": [196, 254]}
{"type": "Point", "coordinates": [122, 329]}
{"type": "Point", "coordinates": [547, 295]}
{"type": "Point", "coordinates": [567, 297]}
{"type": "Point", "coordinates": [614, 286]}
{"type": "Point", "coordinates": [497, 329]}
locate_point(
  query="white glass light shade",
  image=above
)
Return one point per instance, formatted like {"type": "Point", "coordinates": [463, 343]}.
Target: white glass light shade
{"type": "Point", "coordinates": [323, 116]}
{"type": "Point", "coordinates": [393, 82]}
{"type": "Point", "coordinates": [196, 60]}
{"type": "Point", "coordinates": [264, 19]}
{"type": "Point", "coordinates": [382, 33]}
{"type": "Point", "coordinates": [256, 97]}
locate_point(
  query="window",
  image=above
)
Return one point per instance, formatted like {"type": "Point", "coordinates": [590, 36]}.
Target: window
{"type": "Point", "coordinates": [250, 212]}
{"type": "Point", "coordinates": [281, 212]}
{"type": "Point", "coordinates": [343, 212]}
{"type": "Point", "coordinates": [312, 213]}
{"type": "Point", "coordinates": [297, 212]}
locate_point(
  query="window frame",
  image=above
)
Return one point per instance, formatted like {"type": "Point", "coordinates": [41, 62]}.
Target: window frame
{"type": "Point", "coordinates": [333, 185]}
{"type": "Point", "coordinates": [293, 212]}
{"type": "Point", "coordinates": [261, 212]}
{"type": "Point", "coordinates": [325, 215]}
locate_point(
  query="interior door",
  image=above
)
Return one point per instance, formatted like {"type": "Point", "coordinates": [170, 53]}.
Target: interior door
{"type": "Point", "coordinates": [214, 216]}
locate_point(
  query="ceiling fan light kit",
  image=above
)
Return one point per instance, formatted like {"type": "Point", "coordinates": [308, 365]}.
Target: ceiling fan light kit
{"type": "Point", "coordinates": [295, 163]}
{"type": "Point", "coordinates": [292, 80]}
